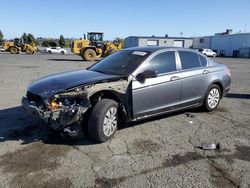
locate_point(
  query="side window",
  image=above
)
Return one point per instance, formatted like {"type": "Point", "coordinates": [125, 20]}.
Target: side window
{"type": "Point", "coordinates": [162, 63]}
{"type": "Point", "coordinates": [189, 60]}
{"type": "Point", "coordinates": [203, 61]}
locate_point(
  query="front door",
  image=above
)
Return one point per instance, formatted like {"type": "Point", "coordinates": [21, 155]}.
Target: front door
{"type": "Point", "coordinates": [158, 94]}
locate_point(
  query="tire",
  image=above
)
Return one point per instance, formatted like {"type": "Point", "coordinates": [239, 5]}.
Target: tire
{"type": "Point", "coordinates": [13, 50]}
{"type": "Point", "coordinates": [29, 51]}
{"type": "Point", "coordinates": [62, 52]}
{"type": "Point", "coordinates": [106, 108]}
{"type": "Point", "coordinates": [49, 52]}
{"type": "Point", "coordinates": [212, 98]}
{"type": "Point", "coordinates": [214, 55]}
{"type": "Point", "coordinates": [89, 55]}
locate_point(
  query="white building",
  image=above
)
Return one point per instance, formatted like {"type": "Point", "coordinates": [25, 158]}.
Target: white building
{"type": "Point", "coordinates": [225, 44]}
{"type": "Point", "coordinates": [142, 41]}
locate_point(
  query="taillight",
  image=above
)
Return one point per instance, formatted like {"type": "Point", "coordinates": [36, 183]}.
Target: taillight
{"type": "Point", "coordinates": [228, 71]}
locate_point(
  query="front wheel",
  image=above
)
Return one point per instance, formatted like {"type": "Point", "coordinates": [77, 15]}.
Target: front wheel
{"type": "Point", "coordinates": [89, 55]}
{"type": "Point", "coordinates": [212, 99]}
{"type": "Point", "coordinates": [62, 52]}
{"type": "Point", "coordinates": [103, 120]}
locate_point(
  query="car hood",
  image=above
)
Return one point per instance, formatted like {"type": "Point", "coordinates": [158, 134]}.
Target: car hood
{"type": "Point", "coordinates": [50, 85]}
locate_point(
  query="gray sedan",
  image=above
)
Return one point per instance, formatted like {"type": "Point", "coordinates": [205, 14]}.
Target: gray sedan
{"type": "Point", "coordinates": [129, 85]}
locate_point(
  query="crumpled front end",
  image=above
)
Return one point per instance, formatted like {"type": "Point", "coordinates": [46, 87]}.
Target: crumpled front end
{"type": "Point", "coordinates": [63, 106]}
{"type": "Point", "coordinates": [61, 111]}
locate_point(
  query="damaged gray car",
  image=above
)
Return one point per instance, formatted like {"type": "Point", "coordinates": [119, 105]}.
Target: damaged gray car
{"type": "Point", "coordinates": [129, 85]}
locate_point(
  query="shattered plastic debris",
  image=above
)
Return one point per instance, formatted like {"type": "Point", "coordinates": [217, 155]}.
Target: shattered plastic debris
{"type": "Point", "coordinates": [188, 114]}
{"type": "Point", "coordinates": [212, 146]}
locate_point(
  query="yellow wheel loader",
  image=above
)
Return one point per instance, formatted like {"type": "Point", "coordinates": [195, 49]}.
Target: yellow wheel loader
{"type": "Point", "coordinates": [17, 46]}
{"type": "Point", "coordinates": [94, 46]}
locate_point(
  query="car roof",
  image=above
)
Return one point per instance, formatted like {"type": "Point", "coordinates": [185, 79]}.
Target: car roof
{"type": "Point", "coordinates": [157, 48]}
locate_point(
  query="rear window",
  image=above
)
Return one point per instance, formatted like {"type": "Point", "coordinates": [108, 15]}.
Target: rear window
{"type": "Point", "coordinates": [189, 60]}
{"type": "Point", "coordinates": [203, 61]}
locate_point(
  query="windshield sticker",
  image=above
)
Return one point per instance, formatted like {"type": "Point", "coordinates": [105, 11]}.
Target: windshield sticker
{"type": "Point", "coordinates": [139, 53]}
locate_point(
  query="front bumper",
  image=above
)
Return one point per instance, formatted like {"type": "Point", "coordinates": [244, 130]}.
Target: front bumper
{"type": "Point", "coordinates": [57, 119]}
{"type": "Point", "coordinates": [74, 131]}
{"type": "Point", "coordinates": [30, 108]}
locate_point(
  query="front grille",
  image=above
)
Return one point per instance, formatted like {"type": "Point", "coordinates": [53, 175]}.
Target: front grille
{"type": "Point", "coordinates": [33, 97]}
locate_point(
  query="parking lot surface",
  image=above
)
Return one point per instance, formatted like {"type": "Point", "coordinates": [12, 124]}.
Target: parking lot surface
{"type": "Point", "coordinates": [160, 152]}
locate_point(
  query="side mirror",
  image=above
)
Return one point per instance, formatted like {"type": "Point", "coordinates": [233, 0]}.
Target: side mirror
{"type": "Point", "coordinates": [146, 74]}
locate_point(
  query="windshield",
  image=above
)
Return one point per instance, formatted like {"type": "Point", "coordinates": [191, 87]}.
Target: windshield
{"type": "Point", "coordinates": [120, 63]}
{"type": "Point", "coordinates": [95, 36]}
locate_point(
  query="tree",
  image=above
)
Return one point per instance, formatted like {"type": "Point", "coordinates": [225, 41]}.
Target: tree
{"type": "Point", "coordinates": [62, 42]}
{"type": "Point", "coordinates": [52, 43]}
{"type": "Point", "coordinates": [25, 38]}
{"type": "Point", "coordinates": [1, 36]}
{"type": "Point", "coordinates": [31, 39]}
{"type": "Point", "coordinates": [47, 43]}
{"type": "Point", "coordinates": [68, 43]}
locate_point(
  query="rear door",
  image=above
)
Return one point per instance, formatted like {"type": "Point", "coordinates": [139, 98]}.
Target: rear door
{"type": "Point", "coordinates": [194, 77]}
{"type": "Point", "coordinates": [161, 93]}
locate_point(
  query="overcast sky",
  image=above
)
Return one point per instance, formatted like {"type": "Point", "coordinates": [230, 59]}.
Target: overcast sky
{"type": "Point", "coordinates": [72, 18]}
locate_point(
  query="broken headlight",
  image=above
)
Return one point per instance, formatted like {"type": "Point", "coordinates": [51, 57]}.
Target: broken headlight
{"type": "Point", "coordinates": [71, 98]}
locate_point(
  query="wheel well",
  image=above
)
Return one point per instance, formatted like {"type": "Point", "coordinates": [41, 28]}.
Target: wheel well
{"type": "Point", "coordinates": [84, 49]}
{"type": "Point", "coordinates": [103, 94]}
{"type": "Point", "coordinates": [13, 47]}
{"type": "Point", "coordinates": [220, 86]}
{"type": "Point", "coordinates": [109, 95]}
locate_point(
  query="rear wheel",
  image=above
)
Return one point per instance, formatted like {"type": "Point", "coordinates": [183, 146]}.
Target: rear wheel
{"type": "Point", "coordinates": [212, 99]}
{"type": "Point", "coordinates": [103, 120]}
{"type": "Point", "coordinates": [49, 52]}
{"type": "Point", "coordinates": [62, 52]}
{"type": "Point", "coordinates": [89, 55]}
{"type": "Point", "coordinates": [13, 50]}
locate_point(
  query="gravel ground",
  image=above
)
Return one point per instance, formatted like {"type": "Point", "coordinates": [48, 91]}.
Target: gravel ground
{"type": "Point", "coordinates": [160, 152]}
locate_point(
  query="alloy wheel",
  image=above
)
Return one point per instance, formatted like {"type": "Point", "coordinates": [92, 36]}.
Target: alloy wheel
{"type": "Point", "coordinates": [213, 98]}
{"type": "Point", "coordinates": [110, 122]}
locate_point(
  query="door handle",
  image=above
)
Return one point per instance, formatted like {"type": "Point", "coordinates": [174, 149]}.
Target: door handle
{"type": "Point", "coordinates": [174, 78]}
{"type": "Point", "coordinates": [205, 71]}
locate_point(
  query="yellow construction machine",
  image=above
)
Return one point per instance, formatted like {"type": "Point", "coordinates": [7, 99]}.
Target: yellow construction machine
{"type": "Point", "coordinates": [17, 46]}
{"type": "Point", "coordinates": [93, 46]}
